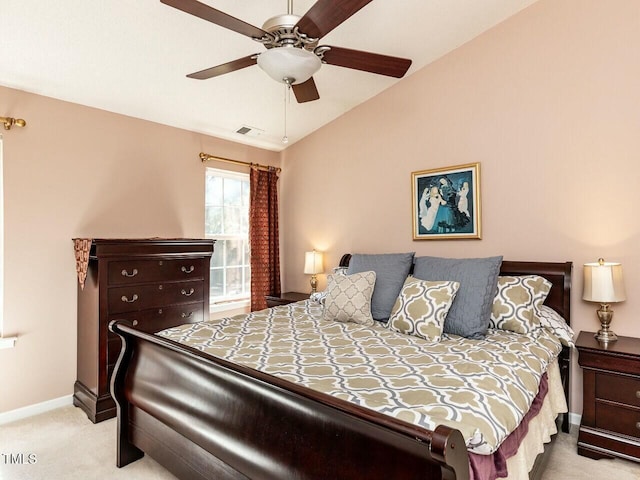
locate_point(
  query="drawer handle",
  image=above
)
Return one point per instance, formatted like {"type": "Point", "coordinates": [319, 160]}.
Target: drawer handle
{"type": "Point", "coordinates": [124, 273]}
{"type": "Point", "coordinates": [638, 425]}
{"type": "Point", "coordinates": [135, 323]}
{"type": "Point", "coordinates": [188, 270]}
{"type": "Point", "coordinates": [187, 315]}
{"type": "Point", "coordinates": [637, 393]}
{"type": "Point", "coordinates": [189, 293]}
{"type": "Point", "coordinates": [133, 299]}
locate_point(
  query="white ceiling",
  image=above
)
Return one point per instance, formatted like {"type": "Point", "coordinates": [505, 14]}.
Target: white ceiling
{"type": "Point", "coordinates": [131, 57]}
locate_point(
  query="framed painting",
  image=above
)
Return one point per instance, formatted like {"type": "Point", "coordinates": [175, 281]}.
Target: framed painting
{"type": "Point", "coordinates": [446, 203]}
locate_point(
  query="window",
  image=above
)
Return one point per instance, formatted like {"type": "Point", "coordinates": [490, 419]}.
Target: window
{"type": "Point", "coordinates": [227, 221]}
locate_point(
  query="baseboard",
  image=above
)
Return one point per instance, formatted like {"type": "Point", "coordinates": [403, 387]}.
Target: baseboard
{"type": "Point", "coordinates": [574, 418]}
{"type": "Point", "coordinates": [31, 410]}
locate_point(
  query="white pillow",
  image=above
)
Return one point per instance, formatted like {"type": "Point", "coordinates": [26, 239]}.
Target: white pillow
{"type": "Point", "coordinates": [348, 298]}
{"type": "Point", "coordinates": [422, 307]}
{"type": "Point", "coordinates": [553, 323]}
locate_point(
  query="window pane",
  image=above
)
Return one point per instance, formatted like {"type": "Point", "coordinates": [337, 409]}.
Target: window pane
{"type": "Point", "coordinates": [213, 191]}
{"type": "Point", "coordinates": [244, 221]}
{"type": "Point", "coordinates": [246, 260]}
{"type": "Point", "coordinates": [217, 282]}
{"type": "Point", "coordinates": [234, 281]}
{"type": "Point", "coordinates": [232, 191]}
{"type": "Point", "coordinates": [232, 220]}
{"type": "Point", "coordinates": [247, 280]}
{"type": "Point", "coordinates": [245, 194]}
{"type": "Point", "coordinates": [213, 220]}
{"type": "Point", "coordinates": [233, 254]}
{"type": "Point", "coordinates": [218, 254]}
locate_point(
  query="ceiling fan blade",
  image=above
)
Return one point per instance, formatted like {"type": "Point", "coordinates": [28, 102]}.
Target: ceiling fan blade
{"type": "Point", "coordinates": [306, 91]}
{"type": "Point", "coordinates": [367, 62]}
{"type": "Point", "coordinates": [325, 15]}
{"type": "Point", "coordinates": [216, 16]}
{"type": "Point", "coordinates": [225, 68]}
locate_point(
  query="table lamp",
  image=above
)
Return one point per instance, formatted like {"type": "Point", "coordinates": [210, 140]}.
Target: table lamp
{"type": "Point", "coordinates": [603, 284]}
{"type": "Point", "coordinates": [313, 266]}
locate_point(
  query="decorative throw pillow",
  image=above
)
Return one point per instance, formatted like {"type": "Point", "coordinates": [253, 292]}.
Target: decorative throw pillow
{"type": "Point", "coordinates": [471, 310]}
{"type": "Point", "coordinates": [348, 298]}
{"type": "Point", "coordinates": [518, 301]}
{"type": "Point", "coordinates": [391, 270]}
{"type": "Point", "coordinates": [422, 307]}
{"type": "Point", "coordinates": [552, 322]}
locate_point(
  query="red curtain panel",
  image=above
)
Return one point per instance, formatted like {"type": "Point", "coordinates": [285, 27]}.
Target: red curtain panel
{"type": "Point", "coordinates": [263, 236]}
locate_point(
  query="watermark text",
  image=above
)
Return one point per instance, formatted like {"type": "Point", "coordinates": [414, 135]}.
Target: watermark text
{"type": "Point", "coordinates": [18, 458]}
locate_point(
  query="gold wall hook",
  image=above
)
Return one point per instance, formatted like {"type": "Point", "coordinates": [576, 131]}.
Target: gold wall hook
{"type": "Point", "coordinates": [9, 122]}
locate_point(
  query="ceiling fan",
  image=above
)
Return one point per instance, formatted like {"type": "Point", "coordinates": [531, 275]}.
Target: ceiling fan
{"type": "Point", "coordinates": [293, 54]}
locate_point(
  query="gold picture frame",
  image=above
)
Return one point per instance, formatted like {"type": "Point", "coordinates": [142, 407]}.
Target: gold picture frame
{"type": "Point", "coordinates": [446, 203]}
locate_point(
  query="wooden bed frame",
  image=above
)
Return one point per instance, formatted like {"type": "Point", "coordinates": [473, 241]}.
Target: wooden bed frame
{"type": "Point", "coordinates": [206, 418]}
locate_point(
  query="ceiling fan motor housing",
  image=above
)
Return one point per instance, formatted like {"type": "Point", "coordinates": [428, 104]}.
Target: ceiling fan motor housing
{"type": "Point", "coordinates": [282, 32]}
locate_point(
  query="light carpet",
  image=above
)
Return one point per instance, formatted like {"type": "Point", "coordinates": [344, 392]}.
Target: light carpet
{"type": "Point", "coordinates": [66, 445]}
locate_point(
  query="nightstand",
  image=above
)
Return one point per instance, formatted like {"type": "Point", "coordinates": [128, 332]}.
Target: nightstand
{"type": "Point", "coordinates": [610, 425]}
{"type": "Point", "coordinates": [285, 298]}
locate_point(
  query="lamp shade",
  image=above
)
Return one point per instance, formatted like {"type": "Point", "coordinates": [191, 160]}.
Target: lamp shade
{"type": "Point", "coordinates": [313, 263]}
{"type": "Point", "coordinates": [603, 282]}
{"type": "Point", "coordinates": [289, 65]}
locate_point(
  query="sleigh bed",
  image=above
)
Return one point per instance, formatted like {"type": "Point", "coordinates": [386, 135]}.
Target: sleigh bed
{"type": "Point", "coordinates": [203, 417]}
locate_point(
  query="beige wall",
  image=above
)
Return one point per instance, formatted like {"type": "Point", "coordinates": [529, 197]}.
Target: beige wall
{"type": "Point", "coordinates": [80, 172]}
{"type": "Point", "coordinates": [548, 102]}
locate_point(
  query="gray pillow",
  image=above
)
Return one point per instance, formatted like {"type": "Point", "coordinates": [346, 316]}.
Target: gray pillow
{"type": "Point", "coordinates": [470, 313]}
{"type": "Point", "coordinates": [391, 270]}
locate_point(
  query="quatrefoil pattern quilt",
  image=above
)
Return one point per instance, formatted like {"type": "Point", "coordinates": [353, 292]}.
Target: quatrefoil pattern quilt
{"type": "Point", "coordinates": [482, 387]}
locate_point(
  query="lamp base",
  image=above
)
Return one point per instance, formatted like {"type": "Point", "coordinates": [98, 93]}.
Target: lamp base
{"type": "Point", "coordinates": [314, 283]}
{"type": "Point", "coordinates": [605, 315]}
{"type": "Point", "coordinates": [606, 336]}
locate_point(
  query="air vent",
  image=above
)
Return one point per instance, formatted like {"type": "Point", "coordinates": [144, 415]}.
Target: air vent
{"type": "Point", "coordinates": [249, 131]}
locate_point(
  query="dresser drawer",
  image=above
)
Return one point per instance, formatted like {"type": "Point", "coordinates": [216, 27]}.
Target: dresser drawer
{"type": "Point", "coordinates": [618, 419]}
{"type": "Point", "coordinates": [145, 271]}
{"type": "Point", "coordinates": [618, 388]}
{"type": "Point", "coordinates": [153, 320]}
{"type": "Point", "coordinates": [140, 297]}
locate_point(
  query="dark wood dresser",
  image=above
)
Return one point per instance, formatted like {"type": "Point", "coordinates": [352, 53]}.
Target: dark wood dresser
{"type": "Point", "coordinates": [152, 283]}
{"type": "Point", "coordinates": [610, 425]}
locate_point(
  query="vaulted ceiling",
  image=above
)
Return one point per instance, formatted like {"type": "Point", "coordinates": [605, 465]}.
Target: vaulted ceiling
{"type": "Point", "coordinates": [132, 57]}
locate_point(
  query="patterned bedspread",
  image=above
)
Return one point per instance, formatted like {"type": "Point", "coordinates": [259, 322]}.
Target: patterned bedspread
{"type": "Point", "coordinates": [481, 387]}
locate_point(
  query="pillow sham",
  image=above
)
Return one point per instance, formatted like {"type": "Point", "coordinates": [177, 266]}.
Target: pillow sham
{"type": "Point", "coordinates": [470, 312]}
{"type": "Point", "coordinates": [421, 308]}
{"type": "Point", "coordinates": [517, 303]}
{"type": "Point", "coordinates": [348, 298]}
{"type": "Point", "coordinates": [318, 297]}
{"type": "Point", "coordinates": [553, 323]}
{"type": "Point", "coordinates": [391, 270]}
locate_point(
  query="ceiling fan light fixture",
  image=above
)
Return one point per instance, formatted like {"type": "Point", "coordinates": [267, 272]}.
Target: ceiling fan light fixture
{"type": "Point", "coordinates": [289, 65]}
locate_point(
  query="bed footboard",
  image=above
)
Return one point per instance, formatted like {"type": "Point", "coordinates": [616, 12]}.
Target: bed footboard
{"type": "Point", "coordinates": [203, 417]}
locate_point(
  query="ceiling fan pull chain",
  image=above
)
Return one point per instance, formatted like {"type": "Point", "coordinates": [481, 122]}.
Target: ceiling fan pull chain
{"type": "Point", "coordinates": [287, 96]}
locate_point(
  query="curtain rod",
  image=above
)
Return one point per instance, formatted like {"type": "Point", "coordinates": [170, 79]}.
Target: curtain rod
{"type": "Point", "coordinates": [205, 156]}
